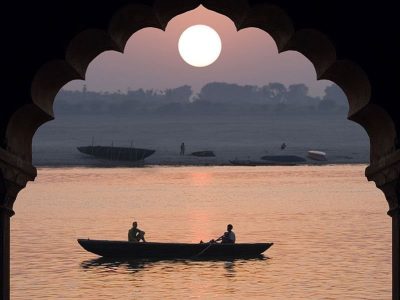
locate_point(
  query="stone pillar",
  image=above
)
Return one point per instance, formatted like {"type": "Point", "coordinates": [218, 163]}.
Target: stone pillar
{"type": "Point", "coordinates": [14, 174]}
{"type": "Point", "coordinates": [386, 175]}
{"type": "Point", "coordinates": [392, 193]}
{"type": "Point", "coordinates": [395, 214]}
{"type": "Point", "coordinates": [396, 254]}
{"type": "Point", "coordinates": [5, 215]}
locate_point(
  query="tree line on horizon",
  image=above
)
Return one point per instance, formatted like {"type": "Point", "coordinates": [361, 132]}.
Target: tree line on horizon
{"type": "Point", "coordinates": [213, 98]}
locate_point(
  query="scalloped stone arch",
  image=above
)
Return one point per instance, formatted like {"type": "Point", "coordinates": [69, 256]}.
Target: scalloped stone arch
{"type": "Point", "coordinates": [314, 45]}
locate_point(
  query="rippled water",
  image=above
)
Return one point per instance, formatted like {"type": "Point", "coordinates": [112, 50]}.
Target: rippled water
{"type": "Point", "coordinates": [331, 235]}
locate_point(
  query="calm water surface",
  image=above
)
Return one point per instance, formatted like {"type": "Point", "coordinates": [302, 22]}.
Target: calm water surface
{"type": "Point", "coordinates": [332, 238]}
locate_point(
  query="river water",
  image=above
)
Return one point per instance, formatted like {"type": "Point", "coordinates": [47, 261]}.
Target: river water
{"type": "Point", "coordinates": [331, 234]}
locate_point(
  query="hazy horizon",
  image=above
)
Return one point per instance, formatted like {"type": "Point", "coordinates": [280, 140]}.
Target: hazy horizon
{"type": "Point", "coordinates": [248, 102]}
{"type": "Point", "coordinates": [249, 57]}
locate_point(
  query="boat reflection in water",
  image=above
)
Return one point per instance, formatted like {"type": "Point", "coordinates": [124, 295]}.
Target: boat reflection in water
{"type": "Point", "coordinates": [136, 265]}
{"type": "Point", "coordinates": [107, 264]}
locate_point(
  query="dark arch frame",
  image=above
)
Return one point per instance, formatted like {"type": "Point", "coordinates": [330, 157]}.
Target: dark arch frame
{"type": "Point", "coordinates": [16, 158]}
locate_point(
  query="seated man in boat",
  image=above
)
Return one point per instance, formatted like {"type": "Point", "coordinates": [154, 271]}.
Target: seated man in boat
{"type": "Point", "coordinates": [228, 237]}
{"type": "Point", "coordinates": [135, 235]}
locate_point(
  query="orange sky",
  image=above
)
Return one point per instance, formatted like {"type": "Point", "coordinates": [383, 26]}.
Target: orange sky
{"type": "Point", "coordinates": [151, 60]}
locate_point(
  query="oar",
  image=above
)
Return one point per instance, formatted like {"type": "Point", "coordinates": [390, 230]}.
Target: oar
{"type": "Point", "coordinates": [205, 249]}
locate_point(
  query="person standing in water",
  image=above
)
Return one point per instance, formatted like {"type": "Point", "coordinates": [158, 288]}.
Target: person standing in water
{"type": "Point", "coordinates": [182, 149]}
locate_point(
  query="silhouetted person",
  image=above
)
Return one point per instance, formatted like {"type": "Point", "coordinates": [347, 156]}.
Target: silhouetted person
{"type": "Point", "coordinates": [228, 237]}
{"type": "Point", "coordinates": [283, 146]}
{"type": "Point", "coordinates": [182, 149]}
{"type": "Point", "coordinates": [135, 235]}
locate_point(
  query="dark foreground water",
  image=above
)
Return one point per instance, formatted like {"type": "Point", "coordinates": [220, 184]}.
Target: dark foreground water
{"type": "Point", "coordinates": [329, 227]}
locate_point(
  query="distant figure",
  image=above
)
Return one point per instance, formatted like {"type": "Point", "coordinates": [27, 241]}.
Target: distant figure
{"type": "Point", "coordinates": [182, 149]}
{"type": "Point", "coordinates": [228, 237]}
{"type": "Point", "coordinates": [283, 146]}
{"type": "Point", "coordinates": [135, 235]}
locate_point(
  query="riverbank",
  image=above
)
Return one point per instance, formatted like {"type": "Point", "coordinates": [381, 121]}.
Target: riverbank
{"type": "Point", "coordinates": [240, 138]}
{"type": "Point", "coordinates": [188, 160]}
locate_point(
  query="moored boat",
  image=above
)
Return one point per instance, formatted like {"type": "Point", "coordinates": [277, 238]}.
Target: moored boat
{"type": "Point", "coordinates": [244, 162]}
{"type": "Point", "coordinates": [206, 153]}
{"type": "Point", "coordinates": [317, 155]}
{"type": "Point", "coordinates": [117, 153]}
{"type": "Point", "coordinates": [150, 250]}
{"type": "Point", "coordinates": [282, 159]}
{"type": "Point", "coordinates": [253, 163]}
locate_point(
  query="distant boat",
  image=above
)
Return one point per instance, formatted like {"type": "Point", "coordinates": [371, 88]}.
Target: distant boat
{"type": "Point", "coordinates": [203, 154]}
{"type": "Point", "coordinates": [317, 155]}
{"type": "Point", "coordinates": [117, 153]}
{"type": "Point", "coordinates": [284, 158]}
{"type": "Point", "coordinates": [253, 163]}
{"type": "Point", "coordinates": [151, 250]}
{"type": "Point", "coordinates": [244, 162]}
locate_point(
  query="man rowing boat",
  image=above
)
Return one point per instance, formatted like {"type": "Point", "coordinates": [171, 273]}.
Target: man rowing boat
{"type": "Point", "coordinates": [228, 237]}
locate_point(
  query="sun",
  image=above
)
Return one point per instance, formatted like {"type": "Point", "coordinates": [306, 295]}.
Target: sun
{"type": "Point", "coordinates": [199, 45]}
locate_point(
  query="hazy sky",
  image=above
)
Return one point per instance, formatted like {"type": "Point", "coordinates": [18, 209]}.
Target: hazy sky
{"type": "Point", "coordinates": [151, 60]}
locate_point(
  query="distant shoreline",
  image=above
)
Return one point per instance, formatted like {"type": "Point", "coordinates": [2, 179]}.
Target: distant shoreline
{"type": "Point", "coordinates": [242, 139]}
{"type": "Point", "coordinates": [183, 164]}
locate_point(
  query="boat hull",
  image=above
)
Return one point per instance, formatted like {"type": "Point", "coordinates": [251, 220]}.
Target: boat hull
{"type": "Point", "coordinates": [117, 153]}
{"type": "Point", "coordinates": [150, 250]}
{"type": "Point", "coordinates": [284, 158]}
{"type": "Point", "coordinates": [253, 163]}
{"type": "Point", "coordinates": [317, 155]}
{"type": "Point", "coordinates": [204, 154]}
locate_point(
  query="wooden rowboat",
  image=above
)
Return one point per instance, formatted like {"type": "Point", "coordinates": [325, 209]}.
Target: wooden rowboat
{"type": "Point", "coordinates": [149, 250]}
{"type": "Point", "coordinates": [117, 153]}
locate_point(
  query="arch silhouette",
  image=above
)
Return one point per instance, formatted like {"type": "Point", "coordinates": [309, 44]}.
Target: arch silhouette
{"type": "Point", "coordinates": [313, 44]}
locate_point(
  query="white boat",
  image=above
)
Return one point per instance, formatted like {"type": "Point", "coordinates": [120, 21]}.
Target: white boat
{"type": "Point", "coordinates": [316, 155]}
